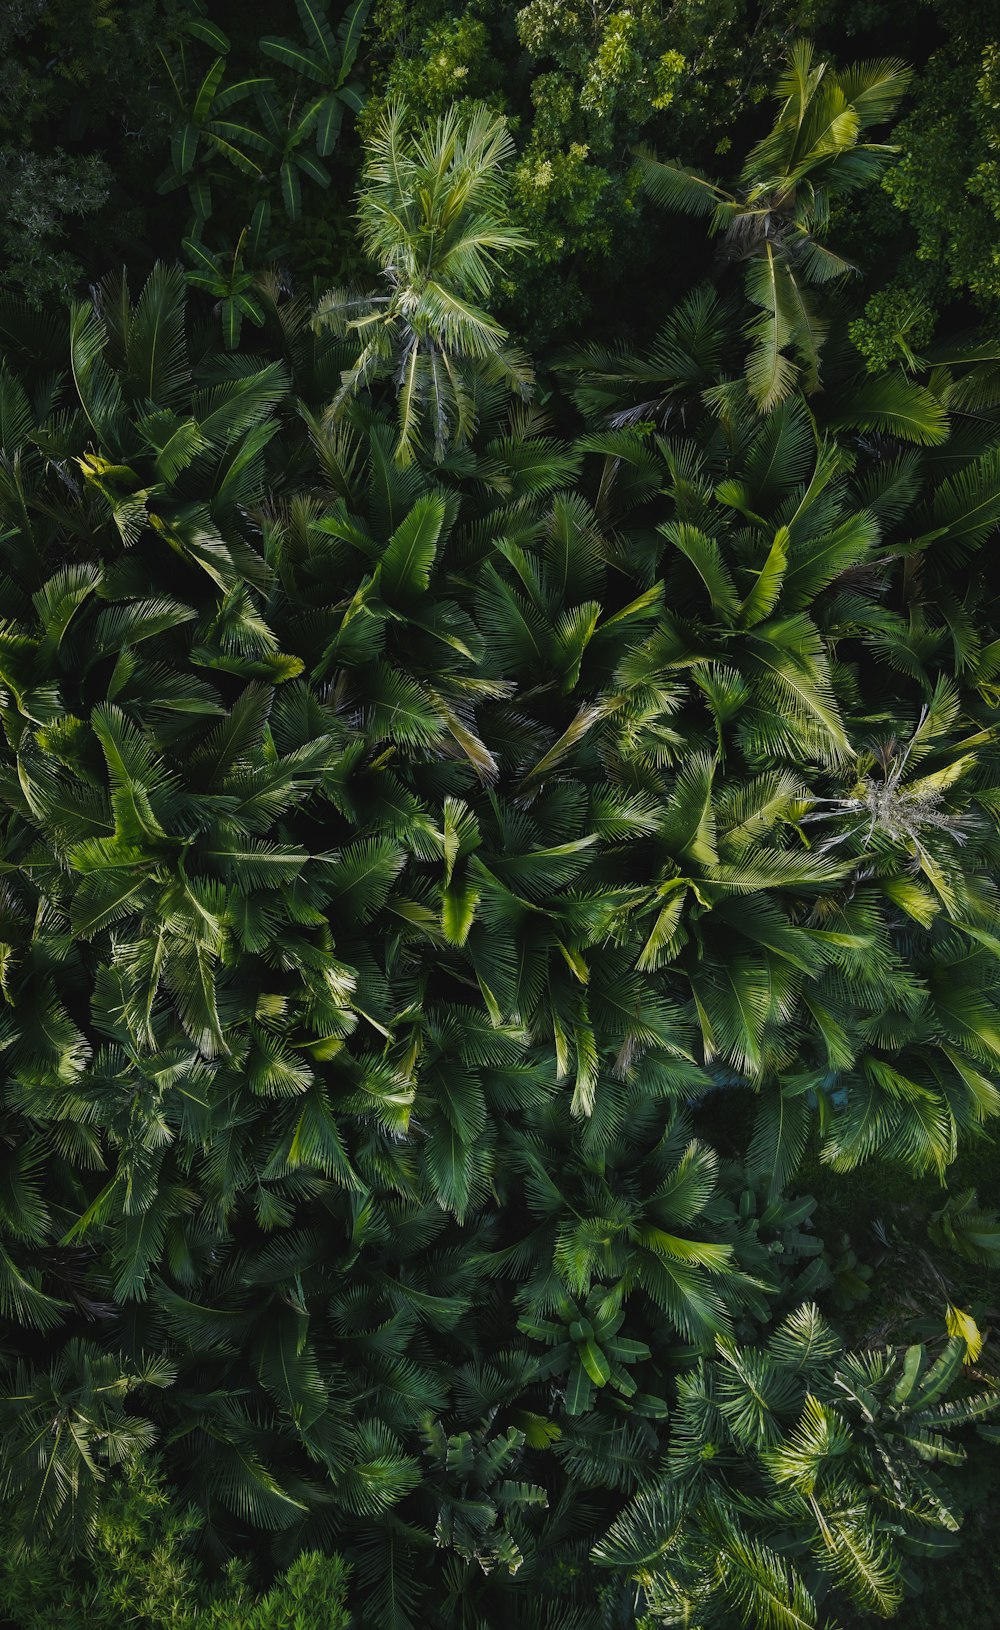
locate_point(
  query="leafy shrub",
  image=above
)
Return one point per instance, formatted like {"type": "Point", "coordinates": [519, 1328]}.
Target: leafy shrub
{"type": "Point", "coordinates": [946, 176]}
{"type": "Point", "coordinates": [138, 1569]}
{"type": "Point", "coordinates": [894, 324]}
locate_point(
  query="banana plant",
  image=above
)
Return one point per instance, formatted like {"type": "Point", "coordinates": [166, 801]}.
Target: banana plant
{"type": "Point", "coordinates": [586, 1350]}
{"type": "Point", "coordinates": [478, 1500]}
{"type": "Point", "coordinates": [229, 282]}
{"type": "Point", "coordinates": [326, 60]}
{"type": "Point", "coordinates": [258, 127]}
{"type": "Point", "coordinates": [208, 131]}
{"type": "Point", "coordinates": [288, 134]}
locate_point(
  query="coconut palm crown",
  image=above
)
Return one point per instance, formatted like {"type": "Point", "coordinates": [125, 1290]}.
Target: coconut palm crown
{"type": "Point", "coordinates": [775, 218]}
{"type": "Point", "coordinates": [432, 217]}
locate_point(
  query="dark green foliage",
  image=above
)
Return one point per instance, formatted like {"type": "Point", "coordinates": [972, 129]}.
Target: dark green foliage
{"type": "Point", "coordinates": [795, 1469]}
{"type": "Point", "coordinates": [73, 81]}
{"type": "Point", "coordinates": [125, 127]}
{"type": "Point", "coordinates": [462, 871]}
{"type": "Point", "coordinates": [250, 140]}
{"type": "Point", "coordinates": [788, 187]}
{"type": "Point", "coordinates": [392, 854]}
{"type": "Point", "coordinates": [947, 180]}
{"type": "Point", "coordinates": [580, 85]}
{"type": "Point", "coordinates": [960, 1225]}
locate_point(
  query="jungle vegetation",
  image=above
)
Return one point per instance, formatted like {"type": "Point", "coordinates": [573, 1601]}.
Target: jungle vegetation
{"type": "Point", "coordinates": [500, 781]}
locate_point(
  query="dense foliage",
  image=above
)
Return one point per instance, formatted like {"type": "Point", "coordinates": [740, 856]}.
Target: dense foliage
{"type": "Point", "coordinates": [483, 835]}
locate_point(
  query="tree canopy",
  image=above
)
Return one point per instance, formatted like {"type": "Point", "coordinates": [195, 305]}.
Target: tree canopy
{"type": "Point", "coordinates": [483, 837]}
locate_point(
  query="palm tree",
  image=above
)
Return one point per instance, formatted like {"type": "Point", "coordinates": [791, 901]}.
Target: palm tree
{"type": "Point", "coordinates": [391, 854]}
{"type": "Point", "coordinates": [796, 1469]}
{"type": "Point", "coordinates": [65, 1427]}
{"type": "Point", "coordinates": [432, 218]}
{"type": "Point", "coordinates": [776, 218]}
{"type": "Point", "coordinates": [698, 343]}
{"type": "Point", "coordinates": [675, 384]}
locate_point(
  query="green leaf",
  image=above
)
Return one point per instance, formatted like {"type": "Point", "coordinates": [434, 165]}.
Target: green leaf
{"type": "Point", "coordinates": [458, 910]}
{"type": "Point", "coordinates": [706, 557]}
{"type": "Point", "coordinates": [579, 1389]}
{"type": "Point", "coordinates": [896, 404]}
{"type": "Point", "coordinates": [409, 555]}
{"type": "Point", "coordinates": [594, 1362]}
{"type": "Point", "coordinates": [763, 597]}
{"type": "Point", "coordinates": [291, 190]}
{"type": "Point", "coordinates": [294, 56]}
{"type": "Point", "coordinates": [209, 33]}
{"type": "Point", "coordinates": [349, 33]}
